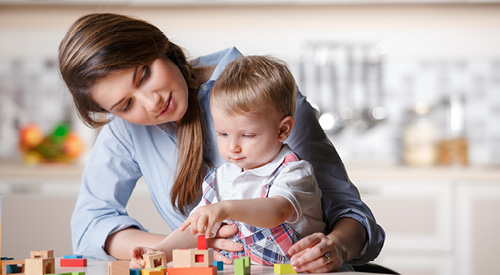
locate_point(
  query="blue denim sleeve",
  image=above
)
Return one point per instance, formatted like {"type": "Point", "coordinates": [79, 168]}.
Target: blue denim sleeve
{"type": "Point", "coordinates": [340, 197]}
{"type": "Point", "coordinates": [107, 183]}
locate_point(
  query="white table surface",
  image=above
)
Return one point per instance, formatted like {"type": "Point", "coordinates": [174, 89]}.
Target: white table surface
{"type": "Point", "coordinates": [95, 267]}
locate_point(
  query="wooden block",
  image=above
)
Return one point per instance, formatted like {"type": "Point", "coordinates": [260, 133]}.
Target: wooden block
{"type": "Point", "coordinates": [181, 258]}
{"type": "Point", "coordinates": [11, 262]}
{"type": "Point", "coordinates": [73, 262]}
{"type": "Point", "coordinates": [42, 254]}
{"type": "Point", "coordinates": [68, 273]}
{"type": "Point", "coordinates": [203, 257]}
{"type": "Point", "coordinates": [155, 259]}
{"type": "Point", "coordinates": [39, 266]}
{"type": "Point", "coordinates": [212, 270]}
{"type": "Point", "coordinates": [284, 269]}
{"type": "Point", "coordinates": [219, 265]}
{"type": "Point", "coordinates": [119, 268]}
{"type": "Point", "coordinates": [73, 256]}
{"type": "Point", "coordinates": [135, 271]}
{"type": "Point", "coordinates": [154, 271]}
{"type": "Point", "coordinates": [202, 242]}
{"type": "Point", "coordinates": [242, 266]}
{"type": "Point", "coordinates": [192, 257]}
{"type": "Point", "coordinates": [13, 268]}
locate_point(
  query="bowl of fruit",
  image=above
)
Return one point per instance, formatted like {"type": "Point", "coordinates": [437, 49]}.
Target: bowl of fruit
{"type": "Point", "coordinates": [61, 145]}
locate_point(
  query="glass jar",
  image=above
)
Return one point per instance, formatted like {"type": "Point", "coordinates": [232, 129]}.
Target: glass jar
{"type": "Point", "coordinates": [420, 136]}
{"type": "Point", "coordinates": [453, 148]}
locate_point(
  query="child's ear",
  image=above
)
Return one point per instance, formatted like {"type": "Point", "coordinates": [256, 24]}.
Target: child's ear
{"type": "Point", "coordinates": [286, 126]}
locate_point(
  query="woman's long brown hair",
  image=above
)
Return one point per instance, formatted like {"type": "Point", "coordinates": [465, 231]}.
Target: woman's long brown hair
{"type": "Point", "coordinates": [97, 45]}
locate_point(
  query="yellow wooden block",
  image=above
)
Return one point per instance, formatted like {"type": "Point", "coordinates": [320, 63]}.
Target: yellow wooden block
{"type": "Point", "coordinates": [284, 269]}
{"type": "Point", "coordinates": [154, 271]}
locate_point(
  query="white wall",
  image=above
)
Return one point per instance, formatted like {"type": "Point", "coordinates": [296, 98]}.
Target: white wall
{"type": "Point", "coordinates": [439, 29]}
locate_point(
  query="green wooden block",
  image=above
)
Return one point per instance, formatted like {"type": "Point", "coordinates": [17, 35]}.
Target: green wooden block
{"type": "Point", "coordinates": [242, 266]}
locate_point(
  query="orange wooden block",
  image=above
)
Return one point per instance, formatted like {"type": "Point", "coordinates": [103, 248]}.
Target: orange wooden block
{"type": "Point", "coordinates": [118, 268]}
{"type": "Point", "coordinates": [73, 262]}
{"type": "Point", "coordinates": [212, 270]}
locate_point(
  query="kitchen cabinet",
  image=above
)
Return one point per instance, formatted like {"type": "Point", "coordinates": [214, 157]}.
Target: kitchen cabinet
{"type": "Point", "coordinates": [417, 218]}
{"type": "Point", "coordinates": [477, 223]}
{"type": "Point", "coordinates": [437, 220]}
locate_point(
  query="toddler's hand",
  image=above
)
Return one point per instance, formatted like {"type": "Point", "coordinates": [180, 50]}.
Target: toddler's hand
{"type": "Point", "coordinates": [203, 219]}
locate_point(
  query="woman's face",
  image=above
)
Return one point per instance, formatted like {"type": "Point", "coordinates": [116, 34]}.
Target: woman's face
{"type": "Point", "coordinates": [148, 94]}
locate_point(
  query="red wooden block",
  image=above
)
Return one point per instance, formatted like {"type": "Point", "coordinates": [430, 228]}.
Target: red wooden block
{"type": "Point", "coordinates": [73, 262]}
{"type": "Point", "coordinates": [202, 242]}
{"type": "Point", "coordinates": [192, 270]}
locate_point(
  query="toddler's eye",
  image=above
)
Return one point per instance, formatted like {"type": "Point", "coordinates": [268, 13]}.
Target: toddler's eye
{"type": "Point", "coordinates": [249, 135]}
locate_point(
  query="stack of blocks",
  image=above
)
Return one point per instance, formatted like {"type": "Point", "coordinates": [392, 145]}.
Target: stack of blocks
{"type": "Point", "coordinates": [193, 261]}
{"type": "Point", "coordinates": [40, 262]}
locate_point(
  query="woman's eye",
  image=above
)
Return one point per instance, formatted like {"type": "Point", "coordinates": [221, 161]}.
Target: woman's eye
{"type": "Point", "coordinates": [146, 72]}
{"type": "Point", "coordinates": [221, 134]}
{"type": "Point", "coordinates": [127, 106]}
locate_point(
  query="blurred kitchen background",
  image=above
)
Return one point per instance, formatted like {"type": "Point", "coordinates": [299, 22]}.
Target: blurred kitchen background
{"type": "Point", "coordinates": [408, 92]}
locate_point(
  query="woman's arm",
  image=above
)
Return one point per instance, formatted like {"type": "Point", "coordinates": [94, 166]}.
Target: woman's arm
{"type": "Point", "coordinates": [107, 183]}
{"type": "Point", "coordinates": [340, 197]}
{"type": "Point", "coordinates": [120, 244]}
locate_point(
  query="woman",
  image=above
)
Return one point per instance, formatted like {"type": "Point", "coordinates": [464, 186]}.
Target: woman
{"type": "Point", "coordinates": [159, 127]}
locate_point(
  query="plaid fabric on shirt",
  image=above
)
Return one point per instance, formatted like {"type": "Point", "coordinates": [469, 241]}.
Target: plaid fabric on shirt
{"type": "Point", "coordinates": [265, 246]}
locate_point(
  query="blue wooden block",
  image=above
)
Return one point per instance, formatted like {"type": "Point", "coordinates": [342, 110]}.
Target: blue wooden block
{"type": "Point", "coordinates": [135, 271]}
{"type": "Point", "coordinates": [219, 265]}
{"type": "Point", "coordinates": [13, 268]}
{"type": "Point", "coordinates": [73, 256]}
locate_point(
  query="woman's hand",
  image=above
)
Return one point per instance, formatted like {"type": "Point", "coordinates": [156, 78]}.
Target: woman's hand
{"type": "Point", "coordinates": [220, 242]}
{"type": "Point", "coordinates": [136, 260]}
{"type": "Point", "coordinates": [316, 253]}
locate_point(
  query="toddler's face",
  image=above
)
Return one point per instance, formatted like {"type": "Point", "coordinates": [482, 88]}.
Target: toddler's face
{"type": "Point", "coordinates": [249, 141]}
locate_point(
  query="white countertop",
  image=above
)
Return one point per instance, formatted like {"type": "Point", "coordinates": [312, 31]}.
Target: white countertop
{"type": "Point", "coordinates": [95, 267]}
